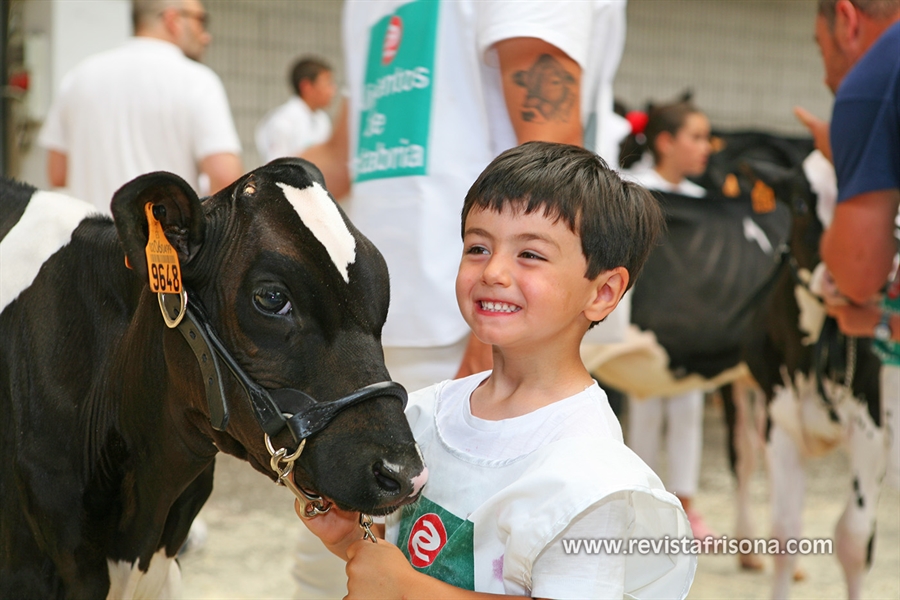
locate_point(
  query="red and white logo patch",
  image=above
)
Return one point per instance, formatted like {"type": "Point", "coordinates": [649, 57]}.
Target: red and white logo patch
{"type": "Point", "coordinates": [392, 39]}
{"type": "Point", "coordinates": [426, 539]}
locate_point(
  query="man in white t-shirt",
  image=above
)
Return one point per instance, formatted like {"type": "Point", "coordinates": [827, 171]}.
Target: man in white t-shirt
{"type": "Point", "coordinates": [301, 122]}
{"type": "Point", "coordinates": [145, 106]}
{"type": "Point", "coordinates": [436, 90]}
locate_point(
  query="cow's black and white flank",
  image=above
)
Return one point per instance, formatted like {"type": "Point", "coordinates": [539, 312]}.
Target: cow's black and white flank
{"type": "Point", "coordinates": [105, 432]}
{"type": "Point", "coordinates": [728, 292]}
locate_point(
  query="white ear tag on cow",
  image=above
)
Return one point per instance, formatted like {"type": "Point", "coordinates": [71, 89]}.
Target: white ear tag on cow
{"type": "Point", "coordinates": [321, 215]}
{"type": "Point", "coordinates": [162, 259]}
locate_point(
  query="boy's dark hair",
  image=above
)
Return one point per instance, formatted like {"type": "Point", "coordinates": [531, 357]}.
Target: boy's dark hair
{"type": "Point", "coordinates": [309, 68]}
{"type": "Point", "coordinates": [618, 221]}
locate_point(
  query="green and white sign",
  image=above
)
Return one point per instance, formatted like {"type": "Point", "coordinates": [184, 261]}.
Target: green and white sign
{"type": "Point", "coordinates": [396, 112]}
{"type": "Point", "coordinates": [438, 543]}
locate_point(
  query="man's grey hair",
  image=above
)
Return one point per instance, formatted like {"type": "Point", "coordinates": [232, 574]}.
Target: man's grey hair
{"type": "Point", "coordinates": [875, 9]}
{"type": "Point", "coordinates": [145, 12]}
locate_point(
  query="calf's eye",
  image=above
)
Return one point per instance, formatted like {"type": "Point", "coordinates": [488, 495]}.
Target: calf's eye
{"type": "Point", "coordinates": [272, 301]}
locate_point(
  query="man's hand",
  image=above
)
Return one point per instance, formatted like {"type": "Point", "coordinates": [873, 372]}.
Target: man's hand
{"type": "Point", "coordinates": [818, 128]}
{"type": "Point", "coordinates": [855, 320]}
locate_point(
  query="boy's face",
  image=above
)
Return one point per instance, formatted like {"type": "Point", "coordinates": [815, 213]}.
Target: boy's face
{"type": "Point", "coordinates": [522, 278]}
{"type": "Point", "coordinates": [319, 92]}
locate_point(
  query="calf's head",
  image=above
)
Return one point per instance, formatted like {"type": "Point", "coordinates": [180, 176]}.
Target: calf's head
{"type": "Point", "coordinates": [298, 298]}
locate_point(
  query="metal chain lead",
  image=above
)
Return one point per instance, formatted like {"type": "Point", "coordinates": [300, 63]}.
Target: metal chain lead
{"type": "Point", "coordinates": [365, 523]}
{"type": "Point", "coordinates": [851, 364]}
{"type": "Point", "coordinates": [313, 505]}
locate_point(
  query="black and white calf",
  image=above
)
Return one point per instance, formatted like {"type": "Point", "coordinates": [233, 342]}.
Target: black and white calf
{"type": "Point", "coordinates": [112, 413]}
{"type": "Point", "coordinates": [728, 292]}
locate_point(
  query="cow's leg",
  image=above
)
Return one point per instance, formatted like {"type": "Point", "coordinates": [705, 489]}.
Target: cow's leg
{"type": "Point", "coordinates": [890, 422]}
{"type": "Point", "coordinates": [855, 533]}
{"type": "Point", "coordinates": [745, 443]}
{"type": "Point", "coordinates": [787, 486]}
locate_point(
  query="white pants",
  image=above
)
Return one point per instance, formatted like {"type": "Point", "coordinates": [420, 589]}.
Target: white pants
{"type": "Point", "coordinates": [319, 573]}
{"type": "Point", "coordinates": [683, 417]}
{"type": "Point", "coordinates": [890, 422]}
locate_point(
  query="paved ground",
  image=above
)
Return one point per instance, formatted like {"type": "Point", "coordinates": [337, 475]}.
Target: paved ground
{"type": "Point", "coordinates": [250, 521]}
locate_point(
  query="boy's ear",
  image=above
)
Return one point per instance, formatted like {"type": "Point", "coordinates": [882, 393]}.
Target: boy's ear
{"type": "Point", "coordinates": [610, 287]}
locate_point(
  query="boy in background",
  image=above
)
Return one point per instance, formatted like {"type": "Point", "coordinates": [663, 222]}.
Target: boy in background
{"type": "Point", "coordinates": [302, 121]}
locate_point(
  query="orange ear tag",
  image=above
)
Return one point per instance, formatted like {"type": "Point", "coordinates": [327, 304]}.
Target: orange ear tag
{"type": "Point", "coordinates": [762, 198]}
{"type": "Point", "coordinates": [162, 259]}
{"type": "Point", "coordinates": [731, 188]}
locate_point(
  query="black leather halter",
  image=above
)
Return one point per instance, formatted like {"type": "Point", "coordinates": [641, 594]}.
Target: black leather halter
{"type": "Point", "coordinates": [302, 414]}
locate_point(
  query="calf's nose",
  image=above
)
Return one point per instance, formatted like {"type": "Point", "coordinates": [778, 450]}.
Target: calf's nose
{"type": "Point", "coordinates": [392, 479]}
{"type": "Point", "coordinates": [387, 476]}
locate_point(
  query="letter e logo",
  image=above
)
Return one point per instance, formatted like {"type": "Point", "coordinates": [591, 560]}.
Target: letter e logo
{"type": "Point", "coordinates": [426, 539]}
{"type": "Point", "coordinates": [392, 40]}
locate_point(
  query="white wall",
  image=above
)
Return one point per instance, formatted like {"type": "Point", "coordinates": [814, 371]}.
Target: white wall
{"type": "Point", "coordinates": [59, 34]}
{"type": "Point", "coordinates": [747, 61]}
{"type": "Point", "coordinates": [255, 42]}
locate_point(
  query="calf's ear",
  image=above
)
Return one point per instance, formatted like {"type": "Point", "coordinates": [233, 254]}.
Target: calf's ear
{"type": "Point", "coordinates": [176, 207]}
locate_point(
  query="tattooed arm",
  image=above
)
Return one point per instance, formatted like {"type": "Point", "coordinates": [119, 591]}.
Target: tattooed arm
{"type": "Point", "coordinates": [542, 87]}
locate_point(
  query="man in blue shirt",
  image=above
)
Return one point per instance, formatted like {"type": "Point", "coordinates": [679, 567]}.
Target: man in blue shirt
{"type": "Point", "coordinates": [860, 45]}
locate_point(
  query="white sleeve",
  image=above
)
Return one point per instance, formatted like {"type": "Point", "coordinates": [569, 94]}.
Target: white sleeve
{"type": "Point", "coordinates": [564, 24]}
{"type": "Point", "coordinates": [54, 134]}
{"type": "Point", "coordinates": [215, 130]}
{"type": "Point", "coordinates": [590, 572]}
{"type": "Point", "coordinates": [274, 138]}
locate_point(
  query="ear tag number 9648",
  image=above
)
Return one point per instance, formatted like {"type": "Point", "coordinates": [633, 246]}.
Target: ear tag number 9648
{"type": "Point", "coordinates": [162, 259]}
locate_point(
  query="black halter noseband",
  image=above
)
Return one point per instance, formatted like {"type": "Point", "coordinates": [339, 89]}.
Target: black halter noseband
{"type": "Point", "coordinates": [302, 414]}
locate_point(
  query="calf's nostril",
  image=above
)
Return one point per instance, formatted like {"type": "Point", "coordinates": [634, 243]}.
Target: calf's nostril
{"type": "Point", "coordinates": [386, 477]}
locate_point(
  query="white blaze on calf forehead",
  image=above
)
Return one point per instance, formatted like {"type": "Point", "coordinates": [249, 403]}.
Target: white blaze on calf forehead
{"type": "Point", "coordinates": [45, 227]}
{"type": "Point", "coordinates": [321, 215]}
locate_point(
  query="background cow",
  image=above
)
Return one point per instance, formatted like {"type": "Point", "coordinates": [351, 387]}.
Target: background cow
{"type": "Point", "coordinates": [106, 432]}
{"type": "Point", "coordinates": [720, 298]}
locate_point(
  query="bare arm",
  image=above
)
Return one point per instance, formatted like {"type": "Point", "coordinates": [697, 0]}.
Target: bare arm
{"type": "Point", "coordinates": [381, 571]}
{"type": "Point", "coordinates": [542, 88]}
{"type": "Point", "coordinates": [333, 157]}
{"type": "Point", "coordinates": [222, 169]}
{"type": "Point", "coordinates": [859, 247]}
{"type": "Point", "coordinates": [376, 570]}
{"type": "Point", "coordinates": [57, 168]}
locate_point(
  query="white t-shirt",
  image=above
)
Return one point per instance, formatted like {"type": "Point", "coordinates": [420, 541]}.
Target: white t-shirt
{"type": "Point", "coordinates": [503, 496]}
{"type": "Point", "coordinates": [291, 128]}
{"type": "Point", "coordinates": [651, 179]}
{"type": "Point", "coordinates": [141, 107]}
{"type": "Point", "coordinates": [427, 115]}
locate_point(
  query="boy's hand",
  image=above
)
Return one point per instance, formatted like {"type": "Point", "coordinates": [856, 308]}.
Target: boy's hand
{"type": "Point", "coordinates": [378, 571]}
{"type": "Point", "coordinates": [337, 528]}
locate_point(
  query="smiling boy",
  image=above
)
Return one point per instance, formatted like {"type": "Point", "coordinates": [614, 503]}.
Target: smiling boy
{"type": "Point", "coordinates": [528, 459]}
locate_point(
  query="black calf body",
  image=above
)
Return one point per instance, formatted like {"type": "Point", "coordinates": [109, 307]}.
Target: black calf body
{"type": "Point", "coordinates": [106, 436]}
